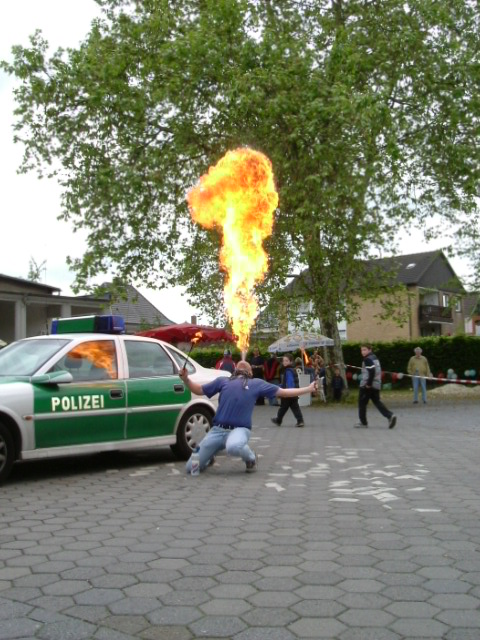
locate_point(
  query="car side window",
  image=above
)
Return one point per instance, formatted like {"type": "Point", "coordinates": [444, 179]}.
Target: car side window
{"type": "Point", "coordinates": [147, 360]}
{"type": "Point", "coordinates": [92, 360]}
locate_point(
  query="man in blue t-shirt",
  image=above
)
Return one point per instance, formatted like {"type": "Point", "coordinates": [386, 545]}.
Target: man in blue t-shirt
{"type": "Point", "coordinates": [232, 423]}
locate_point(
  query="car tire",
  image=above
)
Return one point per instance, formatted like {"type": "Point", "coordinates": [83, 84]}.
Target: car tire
{"type": "Point", "coordinates": [7, 452]}
{"type": "Point", "coordinates": [194, 425]}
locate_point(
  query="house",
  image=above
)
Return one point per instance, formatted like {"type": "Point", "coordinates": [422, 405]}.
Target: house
{"type": "Point", "coordinates": [430, 299]}
{"type": "Point", "coordinates": [472, 314]}
{"type": "Point", "coordinates": [137, 311]}
{"type": "Point", "coordinates": [27, 308]}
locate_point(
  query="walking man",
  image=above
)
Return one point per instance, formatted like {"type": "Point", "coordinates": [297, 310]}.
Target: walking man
{"type": "Point", "coordinates": [370, 386]}
{"type": "Point", "coordinates": [232, 423]}
{"type": "Point", "coordinates": [419, 369]}
{"type": "Point", "coordinates": [289, 381]}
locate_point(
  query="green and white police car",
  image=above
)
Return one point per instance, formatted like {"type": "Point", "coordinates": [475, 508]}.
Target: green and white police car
{"type": "Point", "coordinates": [88, 388]}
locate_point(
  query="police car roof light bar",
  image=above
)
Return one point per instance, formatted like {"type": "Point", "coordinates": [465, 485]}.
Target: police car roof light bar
{"type": "Point", "coordinates": [89, 324]}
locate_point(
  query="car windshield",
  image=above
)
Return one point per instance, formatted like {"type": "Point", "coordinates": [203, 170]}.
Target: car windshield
{"type": "Point", "coordinates": [25, 357]}
{"type": "Point", "coordinates": [180, 357]}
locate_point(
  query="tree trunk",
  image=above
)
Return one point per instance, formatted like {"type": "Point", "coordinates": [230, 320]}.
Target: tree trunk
{"type": "Point", "coordinates": [333, 355]}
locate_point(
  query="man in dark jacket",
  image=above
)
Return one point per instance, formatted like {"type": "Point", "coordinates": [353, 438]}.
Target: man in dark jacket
{"type": "Point", "coordinates": [370, 385]}
{"type": "Point", "coordinates": [226, 363]}
{"type": "Point", "coordinates": [289, 381]}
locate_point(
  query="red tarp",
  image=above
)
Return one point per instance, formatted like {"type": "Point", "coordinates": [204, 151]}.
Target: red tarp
{"type": "Point", "coordinates": [185, 332]}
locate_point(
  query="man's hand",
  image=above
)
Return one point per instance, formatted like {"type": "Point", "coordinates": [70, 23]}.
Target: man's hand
{"type": "Point", "coordinates": [313, 386]}
{"type": "Point", "coordinates": [183, 373]}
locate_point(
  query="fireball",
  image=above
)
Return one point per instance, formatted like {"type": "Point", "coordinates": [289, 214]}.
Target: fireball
{"type": "Point", "coordinates": [238, 198]}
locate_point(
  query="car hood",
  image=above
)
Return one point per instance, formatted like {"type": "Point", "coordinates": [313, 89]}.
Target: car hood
{"type": "Point", "coordinates": [10, 379]}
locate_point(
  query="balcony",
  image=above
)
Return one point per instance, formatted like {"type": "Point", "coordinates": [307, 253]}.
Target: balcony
{"type": "Point", "coordinates": [430, 313]}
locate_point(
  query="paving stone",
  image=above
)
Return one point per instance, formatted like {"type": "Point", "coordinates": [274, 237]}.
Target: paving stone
{"type": "Point", "coordinates": [166, 633]}
{"type": "Point", "coordinates": [192, 598]}
{"type": "Point", "coordinates": [126, 624]}
{"type": "Point", "coordinates": [366, 618]}
{"type": "Point", "coordinates": [218, 626]}
{"type": "Point", "coordinates": [318, 608]}
{"type": "Point", "coordinates": [66, 630]}
{"type": "Point", "coordinates": [268, 617]}
{"type": "Point", "coordinates": [369, 633]}
{"type": "Point", "coordinates": [419, 628]}
{"type": "Point", "coordinates": [173, 615]}
{"type": "Point", "coordinates": [10, 609]}
{"type": "Point", "coordinates": [317, 628]}
{"type": "Point", "coordinates": [90, 613]}
{"type": "Point", "coordinates": [265, 633]}
{"type": "Point", "coordinates": [18, 628]}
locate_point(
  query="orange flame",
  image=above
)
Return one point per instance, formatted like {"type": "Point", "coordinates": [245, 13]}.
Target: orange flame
{"type": "Point", "coordinates": [197, 337]}
{"type": "Point", "coordinates": [238, 196]}
{"type": "Point", "coordinates": [100, 354]}
{"type": "Point", "coordinates": [305, 357]}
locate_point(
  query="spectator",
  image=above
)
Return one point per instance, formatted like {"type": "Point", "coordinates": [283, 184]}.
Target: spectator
{"type": "Point", "coordinates": [272, 374]}
{"type": "Point", "coordinates": [337, 385]}
{"type": "Point", "coordinates": [226, 363]}
{"type": "Point", "coordinates": [257, 363]}
{"type": "Point", "coordinates": [289, 381]}
{"type": "Point", "coordinates": [419, 369]}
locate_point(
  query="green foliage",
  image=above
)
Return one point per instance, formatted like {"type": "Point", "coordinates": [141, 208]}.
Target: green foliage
{"type": "Point", "coordinates": [368, 111]}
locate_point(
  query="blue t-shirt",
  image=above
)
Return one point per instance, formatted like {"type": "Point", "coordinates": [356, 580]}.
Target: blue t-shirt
{"type": "Point", "coordinates": [236, 402]}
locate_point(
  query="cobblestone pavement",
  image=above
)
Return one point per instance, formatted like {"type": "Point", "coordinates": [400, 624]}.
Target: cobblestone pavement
{"type": "Point", "coordinates": [348, 534]}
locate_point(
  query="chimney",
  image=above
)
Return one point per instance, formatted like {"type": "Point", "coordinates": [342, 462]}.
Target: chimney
{"type": "Point", "coordinates": [193, 320]}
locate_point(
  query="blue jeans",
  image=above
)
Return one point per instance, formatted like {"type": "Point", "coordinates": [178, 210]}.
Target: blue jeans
{"type": "Point", "coordinates": [416, 381]}
{"type": "Point", "coordinates": [217, 439]}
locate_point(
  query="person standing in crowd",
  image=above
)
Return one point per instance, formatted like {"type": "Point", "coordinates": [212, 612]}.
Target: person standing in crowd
{"type": "Point", "coordinates": [258, 363]}
{"type": "Point", "coordinates": [370, 385]}
{"type": "Point", "coordinates": [232, 423]}
{"type": "Point", "coordinates": [419, 369]}
{"type": "Point", "coordinates": [226, 363]}
{"type": "Point", "coordinates": [272, 375]}
{"type": "Point", "coordinates": [337, 385]}
{"type": "Point", "coordinates": [290, 381]}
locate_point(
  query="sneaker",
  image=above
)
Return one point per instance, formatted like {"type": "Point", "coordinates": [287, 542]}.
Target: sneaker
{"type": "Point", "coordinates": [276, 421]}
{"type": "Point", "coordinates": [300, 424]}
{"type": "Point", "coordinates": [392, 422]}
{"type": "Point", "coordinates": [415, 402]}
{"type": "Point", "coordinates": [252, 465]}
{"type": "Point", "coordinates": [360, 425]}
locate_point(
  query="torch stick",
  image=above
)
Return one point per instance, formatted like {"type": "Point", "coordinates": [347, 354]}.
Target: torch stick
{"type": "Point", "coordinates": [193, 341]}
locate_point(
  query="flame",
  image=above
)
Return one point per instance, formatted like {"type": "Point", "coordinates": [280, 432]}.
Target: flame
{"type": "Point", "coordinates": [305, 357]}
{"type": "Point", "coordinates": [197, 337]}
{"type": "Point", "coordinates": [100, 354]}
{"type": "Point", "coordinates": [238, 197]}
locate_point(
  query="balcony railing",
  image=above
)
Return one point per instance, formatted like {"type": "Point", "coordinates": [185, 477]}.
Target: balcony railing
{"type": "Point", "coordinates": [432, 313]}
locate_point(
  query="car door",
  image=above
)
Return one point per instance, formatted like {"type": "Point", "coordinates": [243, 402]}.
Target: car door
{"type": "Point", "coordinates": [155, 393]}
{"type": "Point", "coordinates": [89, 410]}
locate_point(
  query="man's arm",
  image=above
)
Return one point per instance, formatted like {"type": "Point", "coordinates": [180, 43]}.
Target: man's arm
{"type": "Point", "coordinates": [194, 387]}
{"type": "Point", "coordinates": [301, 391]}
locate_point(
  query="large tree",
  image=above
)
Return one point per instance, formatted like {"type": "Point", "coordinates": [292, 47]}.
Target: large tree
{"type": "Point", "coordinates": [368, 110]}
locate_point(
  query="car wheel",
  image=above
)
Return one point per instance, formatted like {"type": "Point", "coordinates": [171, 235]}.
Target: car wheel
{"type": "Point", "coordinates": [193, 427]}
{"type": "Point", "coordinates": [7, 452]}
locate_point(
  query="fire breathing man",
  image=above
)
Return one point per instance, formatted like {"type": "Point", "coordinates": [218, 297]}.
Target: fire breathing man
{"type": "Point", "coordinates": [232, 423]}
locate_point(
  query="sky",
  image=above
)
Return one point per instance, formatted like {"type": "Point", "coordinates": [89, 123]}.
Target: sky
{"type": "Point", "coordinates": [29, 226]}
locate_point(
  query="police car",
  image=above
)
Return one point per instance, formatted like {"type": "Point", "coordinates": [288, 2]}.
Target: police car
{"type": "Point", "coordinates": [87, 388]}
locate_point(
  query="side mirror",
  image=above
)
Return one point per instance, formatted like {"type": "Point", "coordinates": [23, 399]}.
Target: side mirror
{"type": "Point", "coordinates": [56, 377]}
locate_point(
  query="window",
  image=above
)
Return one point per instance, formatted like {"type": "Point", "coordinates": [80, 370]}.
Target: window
{"type": "Point", "coordinates": [411, 265]}
{"type": "Point", "coordinates": [93, 360]}
{"type": "Point", "coordinates": [180, 360]}
{"type": "Point", "coordinates": [445, 300]}
{"type": "Point", "coordinates": [458, 305]}
{"type": "Point", "coordinates": [147, 360]}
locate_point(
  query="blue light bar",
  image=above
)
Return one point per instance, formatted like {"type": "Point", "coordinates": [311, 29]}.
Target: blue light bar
{"type": "Point", "coordinates": [89, 324]}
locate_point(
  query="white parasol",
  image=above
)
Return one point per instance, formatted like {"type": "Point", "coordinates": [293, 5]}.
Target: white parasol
{"type": "Point", "coordinates": [300, 340]}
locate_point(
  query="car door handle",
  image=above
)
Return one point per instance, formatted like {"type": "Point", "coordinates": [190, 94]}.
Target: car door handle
{"type": "Point", "coordinates": [178, 388]}
{"type": "Point", "coordinates": [116, 394]}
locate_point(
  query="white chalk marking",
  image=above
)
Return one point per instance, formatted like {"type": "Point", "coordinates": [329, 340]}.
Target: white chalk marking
{"type": "Point", "coordinates": [274, 485]}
